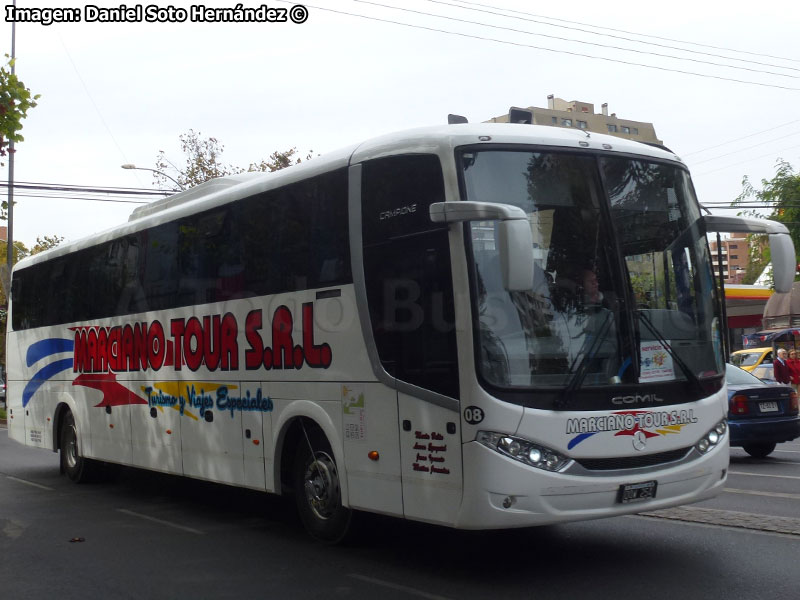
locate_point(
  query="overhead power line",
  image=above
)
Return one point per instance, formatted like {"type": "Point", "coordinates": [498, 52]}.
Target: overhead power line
{"type": "Point", "coordinates": [724, 204]}
{"type": "Point", "coordinates": [81, 198]}
{"type": "Point", "coordinates": [749, 160]}
{"type": "Point", "coordinates": [781, 126]}
{"type": "Point", "coordinates": [545, 49]}
{"type": "Point", "coordinates": [783, 137]}
{"type": "Point", "coordinates": [86, 188]}
{"type": "Point", "coordinates": [91, 99]}
{"type": "Point", "coordinates": [655, 37]}
{"type": "Point", "coordinates": [57, 191]}
{"type": "Point", "coordinates": [572, 40]}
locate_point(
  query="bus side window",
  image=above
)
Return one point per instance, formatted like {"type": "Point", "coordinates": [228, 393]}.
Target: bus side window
{"type": "Point", "coordinates": [132, 298]}
{"type": "Point", "coordinates": [407, 272]}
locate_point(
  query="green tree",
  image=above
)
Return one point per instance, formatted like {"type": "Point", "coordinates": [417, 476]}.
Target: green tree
{"type": "Point", "coordinates": [781, 197]}
{"type": "Point", "coordinates": [46, 243]}
{"type": "Point", "coordinates": [280, 160]}
{"type": "Point", "coordinates": [203, 161]}
{"type": "Point", "coordinates": [15, 102]}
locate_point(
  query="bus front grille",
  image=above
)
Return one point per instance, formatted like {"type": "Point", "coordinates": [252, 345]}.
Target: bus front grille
{"type": "Point", "coordinates": [632, 462]}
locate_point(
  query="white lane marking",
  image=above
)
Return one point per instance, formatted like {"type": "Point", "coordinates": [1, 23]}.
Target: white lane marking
{"type": "Point", "coordinates": [160, 521]}
{"type": "Point", "coordinates": [763, 475]}
{"type": "Point", "coordinates": [730, 528]}
{"type": "Point", "coordinates": [757, 493]}
{"type": "Point", "coordinates": [769, 461]}
{"type": "Point", "coordinates": [397, 586]}
{"type": "Point", "coordinates": [31, 483]}
{"type": "Point", "coordinates": [791, 463]}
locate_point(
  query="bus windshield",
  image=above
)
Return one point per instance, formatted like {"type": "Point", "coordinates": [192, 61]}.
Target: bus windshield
{"type": "Point", "coordinates": [623, 292]}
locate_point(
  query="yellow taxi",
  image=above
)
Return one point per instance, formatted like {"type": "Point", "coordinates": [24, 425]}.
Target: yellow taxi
{"type": "Point", "coordinates": [752, 357]}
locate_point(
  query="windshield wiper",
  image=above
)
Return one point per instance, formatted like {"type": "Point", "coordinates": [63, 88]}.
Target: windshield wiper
{"type": "Point", "coordinates": [690, 376]}
{"type": "Point", "coordinates": [580, 374]}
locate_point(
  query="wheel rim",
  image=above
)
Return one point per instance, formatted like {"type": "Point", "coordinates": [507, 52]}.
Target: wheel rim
{"type": "Point", "coordinates": [70, 446]}
{"type": "Point", "coordinates": [321, 486]}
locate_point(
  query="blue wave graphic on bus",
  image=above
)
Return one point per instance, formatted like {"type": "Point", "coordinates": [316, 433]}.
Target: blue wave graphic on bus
{"type": "Point", "coordinates": [39, 351]}
{"type": "Point", "coordinates": [44, 348]}
{"type": "Point", "coordinates": [578, 439]}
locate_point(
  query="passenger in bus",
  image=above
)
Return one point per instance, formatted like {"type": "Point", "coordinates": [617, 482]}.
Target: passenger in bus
{"type": "Point", "coordinates": [592, 296]}
{"type": "Point", "coordinates": [577, 292]}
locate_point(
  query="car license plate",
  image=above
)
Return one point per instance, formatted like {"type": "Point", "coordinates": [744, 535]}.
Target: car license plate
{"type": "Point", "coordinates": [637, 492]}
{"type": "Point", "coordinates": [768, 406]}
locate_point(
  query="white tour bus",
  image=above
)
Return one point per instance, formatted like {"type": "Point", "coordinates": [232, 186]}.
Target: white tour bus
{"type": "Point", "coordinates": [480, 326]}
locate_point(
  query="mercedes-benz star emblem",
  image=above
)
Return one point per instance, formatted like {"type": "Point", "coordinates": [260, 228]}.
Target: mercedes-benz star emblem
{"type": "Point", "coordinates": [639, 440]}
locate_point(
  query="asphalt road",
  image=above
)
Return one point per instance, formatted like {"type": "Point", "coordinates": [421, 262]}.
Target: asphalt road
{"type": "Point", "coordinates": [150, 536]}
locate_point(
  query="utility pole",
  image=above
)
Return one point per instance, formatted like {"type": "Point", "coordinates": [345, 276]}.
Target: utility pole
{"type": "Point", "coordinates": [10, 240]}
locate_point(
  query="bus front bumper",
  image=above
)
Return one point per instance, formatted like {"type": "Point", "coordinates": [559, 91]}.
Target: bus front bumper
{"type": "Point", "coordinates": [500, 492]}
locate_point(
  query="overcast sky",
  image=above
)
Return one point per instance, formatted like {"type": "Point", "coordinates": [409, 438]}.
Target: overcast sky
{"type": "Point", "coordinates": [119, 93]}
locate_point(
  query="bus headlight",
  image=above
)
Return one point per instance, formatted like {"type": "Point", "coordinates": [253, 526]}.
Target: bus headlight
{"type": "Point", "coordinates": [713, 437]}
{"type": "Point", "coordinates": [534, 455]}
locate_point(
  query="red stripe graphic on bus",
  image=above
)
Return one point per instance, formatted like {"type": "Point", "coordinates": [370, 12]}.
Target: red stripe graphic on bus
{"type": "Point", "coordinates": [114, 394]}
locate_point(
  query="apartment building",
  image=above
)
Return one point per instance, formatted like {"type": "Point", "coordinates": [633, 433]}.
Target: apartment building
{"type": "Point", "coordinates": [735, 257]}
{"type": "Point", "coordinates": [581, 115]}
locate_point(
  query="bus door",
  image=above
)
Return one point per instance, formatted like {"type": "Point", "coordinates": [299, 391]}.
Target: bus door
{"type": "Point", "coordinates": [430, 449]}
{"type": "Point", "coordinates": [409, 291]}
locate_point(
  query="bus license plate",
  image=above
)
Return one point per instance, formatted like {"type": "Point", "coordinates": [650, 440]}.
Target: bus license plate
{"type": "Point", "coordinates": [768, 406]}
{"type": "Point", "coordinates": [637, 492]}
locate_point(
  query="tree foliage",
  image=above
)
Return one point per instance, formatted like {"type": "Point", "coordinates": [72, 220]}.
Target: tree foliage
{"type": "Point", "coordinates": [15, 102]}
{"type": "Point", "coordinates": [203, 161]}
{"type": "Point", "coordinates": [46, 243]}
{"type": "Point", "coordinates": [781, 198]}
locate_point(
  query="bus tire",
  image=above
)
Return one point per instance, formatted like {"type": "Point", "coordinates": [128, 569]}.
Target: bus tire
{"type": "Point", "coordinates": [78, 468]}
{"type": "Point", "coordinates": [759, 450]}
{"type": "Point", "coordinates": [318, 492]}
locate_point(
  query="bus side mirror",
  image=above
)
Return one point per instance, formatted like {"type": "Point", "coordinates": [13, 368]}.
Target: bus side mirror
{"type": "Point", "coordinates": [514, 237]}
{"type": "Point", "coordinates": [781, 249]}
{"type": "Point", "coordinates": [781, 246]}
{"type": "Point", "coordinates": [515, 243]}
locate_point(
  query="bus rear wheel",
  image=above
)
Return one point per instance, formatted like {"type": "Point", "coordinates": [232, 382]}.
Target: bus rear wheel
{"type": "Point", "coordinates": [78, 468]}
{"type": "Point", "coordinates": [318, 492]}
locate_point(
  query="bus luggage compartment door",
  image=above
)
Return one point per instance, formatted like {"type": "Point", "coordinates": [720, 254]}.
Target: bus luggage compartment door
{"type": "Point", "coordinates": [430, 451]}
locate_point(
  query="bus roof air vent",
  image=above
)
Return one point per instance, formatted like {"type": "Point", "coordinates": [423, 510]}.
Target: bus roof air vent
{"type": "Point", "coordinates": [204, 189]}
{"type": "Point", "coordinates": [520, 115]}
{"type": "Point", "coordinates": [454, 119]}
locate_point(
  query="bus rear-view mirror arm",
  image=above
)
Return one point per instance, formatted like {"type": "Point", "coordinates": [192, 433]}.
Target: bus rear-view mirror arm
{"type": "Point", "coordinates": [780, 244]}
{"type": "Point", "coordinates": [514, 237]}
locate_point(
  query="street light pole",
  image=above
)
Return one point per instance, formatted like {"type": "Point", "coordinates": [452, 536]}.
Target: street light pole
{"type": "Point", "coordinates": [175, 181]}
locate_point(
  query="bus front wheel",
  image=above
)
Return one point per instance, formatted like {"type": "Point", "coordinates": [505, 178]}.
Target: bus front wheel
{"type": "Point", "coordinates": [318, 491]}
{"type": "Point", "coordinates": [77, 468]}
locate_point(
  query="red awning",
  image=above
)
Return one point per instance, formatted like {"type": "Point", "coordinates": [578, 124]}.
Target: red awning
{"type": "Point", "coordinates": [742, 321]}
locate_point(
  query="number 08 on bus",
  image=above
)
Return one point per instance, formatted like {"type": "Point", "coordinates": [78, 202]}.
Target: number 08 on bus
{"type": "Point", "coordinates": [475, 325]}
